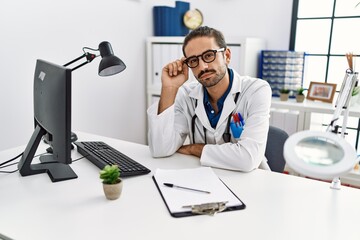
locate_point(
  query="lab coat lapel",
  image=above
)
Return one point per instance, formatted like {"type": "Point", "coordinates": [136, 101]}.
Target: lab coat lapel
{"type": "Point", "coordinates": [201, 114]}
{"type": "Point", "coordinates": [228, 108]}
{"type": "Point", "coordinates": [229, 104]}
{"type": "Point", "coordinates": [198, 94]}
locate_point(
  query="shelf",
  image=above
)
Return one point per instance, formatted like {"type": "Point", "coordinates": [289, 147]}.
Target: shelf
{"type": "Point", "coordinates": [282, 70]}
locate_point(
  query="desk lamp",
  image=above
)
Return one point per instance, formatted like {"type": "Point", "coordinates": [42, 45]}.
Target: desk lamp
{"type": "Point", "coordinates": [52, 113]}
{"type": "Point", "coordinates": [109, 65]}
{"type": "Point", "coordinates": [325, 155]}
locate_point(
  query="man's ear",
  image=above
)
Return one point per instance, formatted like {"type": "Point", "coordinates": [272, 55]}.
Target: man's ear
{"type": "Point", "coordinates": [227, 55]}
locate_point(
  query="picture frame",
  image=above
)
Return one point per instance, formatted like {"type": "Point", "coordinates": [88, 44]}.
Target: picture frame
{"type": "Point", "coordinates": [321, 91]}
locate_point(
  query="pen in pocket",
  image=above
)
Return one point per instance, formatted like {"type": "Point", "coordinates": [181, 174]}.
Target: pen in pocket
{"type": "Point", "coordinates": [237, 125]}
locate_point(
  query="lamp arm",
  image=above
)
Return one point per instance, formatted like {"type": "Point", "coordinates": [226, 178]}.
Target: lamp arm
{"type": "Point", "coordinates": [349, 82]}
{"type": "Point", "coordinates": [89, 58]}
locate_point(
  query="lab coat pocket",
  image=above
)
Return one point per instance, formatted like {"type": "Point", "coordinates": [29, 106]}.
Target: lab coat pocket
{"type": "Point", "coordinates": [236, 129]}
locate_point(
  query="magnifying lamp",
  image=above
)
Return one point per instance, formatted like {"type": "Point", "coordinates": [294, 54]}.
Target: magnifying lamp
{"type": "Point", "coordinates": [325, 155]}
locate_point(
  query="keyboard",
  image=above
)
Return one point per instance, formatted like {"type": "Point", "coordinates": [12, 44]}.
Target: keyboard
{"type": "Point", "coordinates": [101, 154]}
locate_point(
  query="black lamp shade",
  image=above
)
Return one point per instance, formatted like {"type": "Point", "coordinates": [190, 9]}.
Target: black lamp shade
{"type": "Point", "coordinates": [110, 64]}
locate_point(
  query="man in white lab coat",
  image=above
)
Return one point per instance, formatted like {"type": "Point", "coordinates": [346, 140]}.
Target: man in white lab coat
{"type": "Point", "coordinates": [225, 115]}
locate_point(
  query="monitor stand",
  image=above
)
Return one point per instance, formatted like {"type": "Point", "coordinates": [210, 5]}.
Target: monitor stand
{"type": "Point", "coordinates": [56, 171]}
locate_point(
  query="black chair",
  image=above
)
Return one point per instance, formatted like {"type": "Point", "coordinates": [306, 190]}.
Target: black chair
{"type": "Point", "coordinates": [275, 149]}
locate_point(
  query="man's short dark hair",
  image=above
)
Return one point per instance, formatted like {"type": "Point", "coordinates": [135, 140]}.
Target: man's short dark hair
{"type": "Point", "coordinates": [205, 31]}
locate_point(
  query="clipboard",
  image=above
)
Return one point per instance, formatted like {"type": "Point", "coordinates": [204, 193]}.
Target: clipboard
{"type": "Point", "coordinates": [184, 202]}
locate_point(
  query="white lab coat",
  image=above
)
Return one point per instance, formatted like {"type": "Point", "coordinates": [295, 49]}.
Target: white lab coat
{"type": "Point", "coordinates": [168, 130]}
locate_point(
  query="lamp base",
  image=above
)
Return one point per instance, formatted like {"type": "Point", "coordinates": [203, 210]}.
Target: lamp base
{"type": "Point", "coordinates": [336, 184]}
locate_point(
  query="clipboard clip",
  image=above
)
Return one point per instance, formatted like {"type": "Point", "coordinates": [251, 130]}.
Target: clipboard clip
{"type": "Point", "coordinates": [207, 208]}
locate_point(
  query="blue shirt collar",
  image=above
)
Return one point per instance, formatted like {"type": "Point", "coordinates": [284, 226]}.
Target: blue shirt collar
{"type": "Point", "coordinates": [214, 118]}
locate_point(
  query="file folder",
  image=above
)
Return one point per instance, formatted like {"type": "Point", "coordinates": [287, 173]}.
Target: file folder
{"type": "Point", "coordinates": [183, 202]}
{"type": "Point", "coordinates": [168, 21]}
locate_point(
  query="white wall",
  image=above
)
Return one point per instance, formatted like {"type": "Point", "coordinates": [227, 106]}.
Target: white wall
{"type": "Point", "coordinates": [114, 106]}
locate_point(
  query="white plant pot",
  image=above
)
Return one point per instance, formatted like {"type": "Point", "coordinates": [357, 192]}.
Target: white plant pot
{"type": "Point", "coordinates": [113, 191]}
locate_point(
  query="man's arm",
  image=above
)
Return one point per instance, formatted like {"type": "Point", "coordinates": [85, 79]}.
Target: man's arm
{"type": "Point", "coordinates": [173, 76]}
{"type": "Point", "coordinates": [164, 137]}
{"type": "Point", "coordinates": [192, 149]}
{"type": "Point", "coordinates": [248, 153]}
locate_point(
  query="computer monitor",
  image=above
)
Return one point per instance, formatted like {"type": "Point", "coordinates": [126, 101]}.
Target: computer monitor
{"type": "Point", "coordinates": [52, 115]}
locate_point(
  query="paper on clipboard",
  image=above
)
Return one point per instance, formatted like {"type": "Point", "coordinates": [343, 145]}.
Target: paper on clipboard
{"type": "Point", "coordinates": [202, 178]}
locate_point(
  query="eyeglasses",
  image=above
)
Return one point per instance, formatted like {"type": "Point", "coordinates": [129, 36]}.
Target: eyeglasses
{"type": "Point", "coordinates": [207, 56]}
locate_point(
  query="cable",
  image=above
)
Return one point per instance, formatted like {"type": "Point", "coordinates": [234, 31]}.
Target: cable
{"type": "Point", "coordinates": [8, 165]}
{"type": "Point", "coordinates": [9, 171]}
{"type": "Point", "coordinates": [2, 165]}
{"type": "Point", "coordinates": [11, 159]}
{"type": "Point", "coordinates": [79, 158]}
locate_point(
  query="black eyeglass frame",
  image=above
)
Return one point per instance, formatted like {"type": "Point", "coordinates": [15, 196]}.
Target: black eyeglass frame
{"type": "Point", "coordinates": [186, 61]}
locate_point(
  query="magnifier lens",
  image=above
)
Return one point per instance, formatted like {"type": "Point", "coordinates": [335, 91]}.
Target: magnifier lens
{"type": "Point", "coordinates": [319, 151]}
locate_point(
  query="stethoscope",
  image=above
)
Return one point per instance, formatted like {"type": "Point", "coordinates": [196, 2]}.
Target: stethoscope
{"type": "Point", "coordinates": [226, 135]}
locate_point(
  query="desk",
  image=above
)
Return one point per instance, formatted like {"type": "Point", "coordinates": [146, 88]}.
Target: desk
{"type": "Point", "coordinates": [279, 206]}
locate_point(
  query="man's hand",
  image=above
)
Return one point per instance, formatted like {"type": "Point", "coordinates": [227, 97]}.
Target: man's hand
{"type": "Point", "coordinates": [192, 149]}
{"type": "Point", "coordinates": [173, 76]}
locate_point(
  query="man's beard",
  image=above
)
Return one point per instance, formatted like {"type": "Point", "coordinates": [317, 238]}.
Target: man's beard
{"type": "Point", "coordinates": [210, 82]}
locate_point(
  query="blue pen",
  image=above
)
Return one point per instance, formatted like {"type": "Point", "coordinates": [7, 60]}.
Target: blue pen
{"type": "Point", "coordinates": [241, 119]}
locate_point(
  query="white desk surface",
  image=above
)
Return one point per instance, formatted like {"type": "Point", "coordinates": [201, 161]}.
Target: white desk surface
{"type": "Point", "coordinates": [279, 206]}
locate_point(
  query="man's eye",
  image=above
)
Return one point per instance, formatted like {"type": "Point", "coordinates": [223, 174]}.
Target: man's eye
{"type": "Point", "coordinates": [208, 55]}
{"type": "Point", "coordinates": [192, 60]}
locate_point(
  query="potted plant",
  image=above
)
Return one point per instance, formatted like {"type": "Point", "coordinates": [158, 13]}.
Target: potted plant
{"type": "Point", "coordinates": [300, 95]}
{"type": "Point", "coordinates": [284, 94]}
{"type": "Point", "coordinates": [112, 183]}
{"type": "Point", "coordinates": [355, 99]}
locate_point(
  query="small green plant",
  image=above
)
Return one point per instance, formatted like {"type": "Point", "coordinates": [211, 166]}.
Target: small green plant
{"type": "Point", "coordinates": [110, 174]}
{"type": "Point", "coordinates": [300, 91]}
{"type": "Point", "coordinates": [355, 91]}
{"type": "Point", "coordinates": [284, 90]}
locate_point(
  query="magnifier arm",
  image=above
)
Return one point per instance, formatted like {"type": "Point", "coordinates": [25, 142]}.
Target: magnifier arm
{"type": "Point", "coordinates": [342, 103]}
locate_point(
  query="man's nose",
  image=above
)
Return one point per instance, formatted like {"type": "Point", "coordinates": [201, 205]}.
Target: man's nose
{"type": "Point", "coordinates": [202, 63]}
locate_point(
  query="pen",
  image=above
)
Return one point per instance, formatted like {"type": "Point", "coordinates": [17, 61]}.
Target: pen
{"type": "Point", "coordinates": [241, 119]}
{"type": "Point", "coordinates": [235, 118]}
{"type": "Point", "coordinates": [192, 189]}
{"type": "Point", "coordinates": [238, 119]}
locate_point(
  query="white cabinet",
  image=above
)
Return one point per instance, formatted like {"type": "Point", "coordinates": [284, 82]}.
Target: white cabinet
{"type": "Point", "coordinates": [245, 53]}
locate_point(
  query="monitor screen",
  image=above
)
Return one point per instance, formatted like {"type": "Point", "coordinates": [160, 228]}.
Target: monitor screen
{"type": "Point", "coordinates": [52, 114]}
